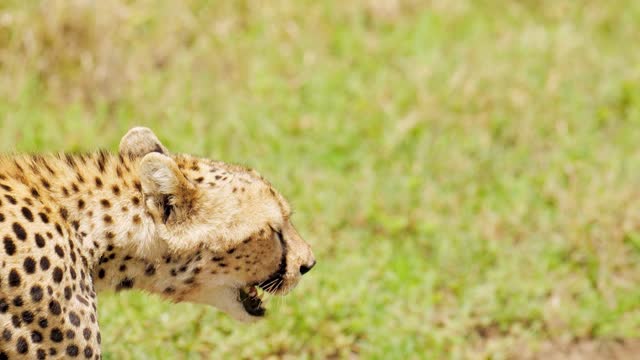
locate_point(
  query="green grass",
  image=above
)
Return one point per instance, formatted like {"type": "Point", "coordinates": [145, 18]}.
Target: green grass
{"type": "Point", "coordinates": [467, 172]}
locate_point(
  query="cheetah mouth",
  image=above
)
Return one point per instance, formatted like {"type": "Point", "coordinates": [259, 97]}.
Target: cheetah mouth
{"type": "Point", "coordinates": [251, 301]}
{"type": "Point", "coordinates": [251, 296]}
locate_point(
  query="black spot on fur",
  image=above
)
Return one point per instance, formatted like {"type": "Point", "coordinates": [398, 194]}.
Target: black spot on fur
{"type": "Point", "coordinates": [29, 265]}
{"type": "Point", "coordinates": [36, 336]}
{"type": "Point", "coordinates": [14, 278]}
{"type": "Point", "coordinates": [36, 293]}
{"type": "Point", "coordinates": [126, 283]}
{"type": "Point", "coordinates": [59, 229]}
{"type": "Point", "coordinates": [71, 334]}
{"type": "Point", "coordinates": [27, 214]}
{"type": "Point", "coordinates": [39, 240]}
{"type": "Point", "coordinates": [27, 317]}
{"type": "Point", "coordinates": [19, 231]}
{"type": "Point", "coordinates": [43, 322]}
{"type": "Point", "coordinates": [21, 345]}
{"type": "Point", "coordinates": [74, 318]}
{"type": "Point", "coordinates": [44, 263]}
{"type": "Point", "coordinates": [56, 335]}
{"type": "Point", "coordinates": [64, 213]}
{"type": "Point", "coordinates": [88, 352]}
{"type": "Point", "coordinates": [150, 270]}
{"type": "Point", "coordinates": [9, 246]}
{"type": "Point", "coordinates": [54, 307]}
{"type": "Point", "coordinates": [4, 306]}
{"type": "Point", "coordinates": [59, 251]}
{"type": "Point", "coordinates": [101, 161]}
{"type": "Point", "coordinates": [57, 275]}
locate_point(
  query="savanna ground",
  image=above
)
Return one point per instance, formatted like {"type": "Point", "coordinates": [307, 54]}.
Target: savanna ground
{"type": "Point", "coordinates": [468, 172]}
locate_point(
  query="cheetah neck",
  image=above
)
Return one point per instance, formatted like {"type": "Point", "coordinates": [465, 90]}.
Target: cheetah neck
{"type": "Point", "coordinates": [98, 199]}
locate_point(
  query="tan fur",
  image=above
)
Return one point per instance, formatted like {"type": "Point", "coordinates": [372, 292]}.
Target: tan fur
{"type": "Point", "coordinates": [187, 228]}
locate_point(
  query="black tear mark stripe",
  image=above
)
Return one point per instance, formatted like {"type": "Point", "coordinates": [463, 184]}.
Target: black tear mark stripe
{"type": "Point", "coordinates": [282, 269]}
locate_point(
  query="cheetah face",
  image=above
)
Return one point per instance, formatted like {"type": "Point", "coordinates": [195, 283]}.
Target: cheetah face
{"type": "Point", "coordinates": [232, 217]}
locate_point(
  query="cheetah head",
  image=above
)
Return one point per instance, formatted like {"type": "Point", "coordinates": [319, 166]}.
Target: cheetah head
{"type": "Point", "coordinates": [228, 219]}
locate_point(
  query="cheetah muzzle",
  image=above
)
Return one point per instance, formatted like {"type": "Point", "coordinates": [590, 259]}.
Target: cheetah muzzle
{"type": "Point", "coordinates": [250, 296]}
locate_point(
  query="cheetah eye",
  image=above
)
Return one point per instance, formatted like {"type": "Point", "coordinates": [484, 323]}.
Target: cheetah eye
{"type": "Point", "coordinates": [167, 209]}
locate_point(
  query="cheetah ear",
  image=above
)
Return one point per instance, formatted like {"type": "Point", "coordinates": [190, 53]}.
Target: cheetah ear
{"type": "Point", "coordinates": [140, 141]}
{"type": "Point", "coordinates": [160, 176]}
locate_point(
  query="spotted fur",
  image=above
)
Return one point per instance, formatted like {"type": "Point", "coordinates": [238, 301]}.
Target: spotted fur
{"type": "Point", "coordinates": [187, 228]}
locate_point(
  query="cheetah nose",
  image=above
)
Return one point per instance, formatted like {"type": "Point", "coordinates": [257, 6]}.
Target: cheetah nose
{"type": "Point", "coordinates": [305, 268]}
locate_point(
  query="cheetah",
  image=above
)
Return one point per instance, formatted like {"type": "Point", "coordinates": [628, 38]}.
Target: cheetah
{"type": "Point", "coordinates": [187, 228]}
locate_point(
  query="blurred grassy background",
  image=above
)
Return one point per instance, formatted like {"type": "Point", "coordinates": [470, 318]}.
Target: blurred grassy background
{"type": "Point", "coordinates": [466, 171]}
